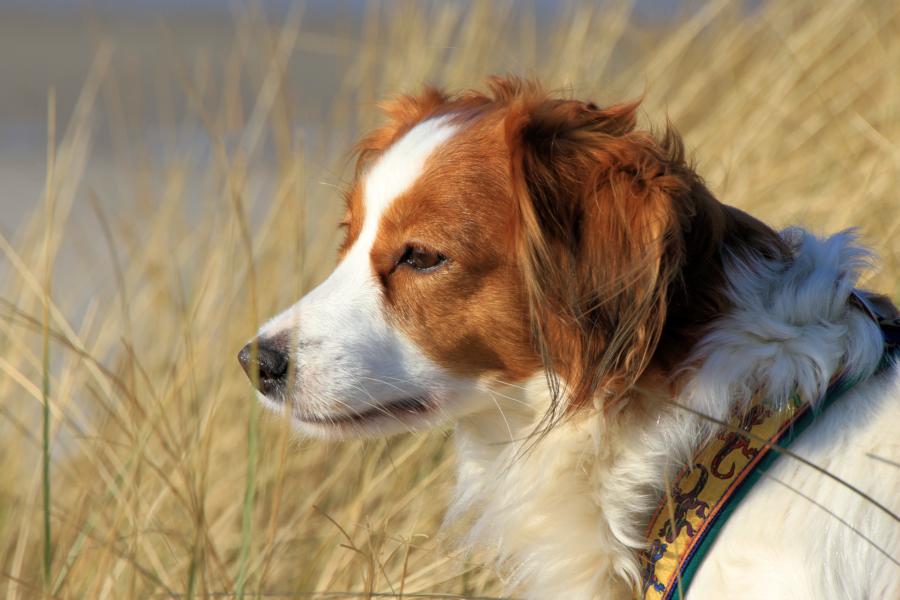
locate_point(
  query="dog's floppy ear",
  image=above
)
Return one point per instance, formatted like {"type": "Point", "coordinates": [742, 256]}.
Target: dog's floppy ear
{"type": "Point", "coordinates": [598, 234]}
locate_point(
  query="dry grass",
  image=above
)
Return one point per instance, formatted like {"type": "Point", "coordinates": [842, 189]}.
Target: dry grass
{"type": "Point", "coordinates": [794, 113]}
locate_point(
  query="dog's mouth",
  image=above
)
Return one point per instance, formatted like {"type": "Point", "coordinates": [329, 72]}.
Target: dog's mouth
{"type": "Point", "coordinates": [395, 409]}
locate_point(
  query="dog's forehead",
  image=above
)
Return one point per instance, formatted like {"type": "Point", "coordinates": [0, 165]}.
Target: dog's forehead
{"type": "Point", "coordinates": [401, 166]}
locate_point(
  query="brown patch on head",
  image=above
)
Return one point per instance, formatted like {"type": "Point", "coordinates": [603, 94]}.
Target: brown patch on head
{"type": "Point", "coordinates": [469, 313]}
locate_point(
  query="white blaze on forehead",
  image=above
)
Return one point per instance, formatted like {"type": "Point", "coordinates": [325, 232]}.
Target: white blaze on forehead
{"type": "Point", "coordinates": [397, 170]}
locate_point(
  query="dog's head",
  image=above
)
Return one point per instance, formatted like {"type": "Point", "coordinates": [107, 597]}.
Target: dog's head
{"type": "Point", "coordinates": [488, 237]}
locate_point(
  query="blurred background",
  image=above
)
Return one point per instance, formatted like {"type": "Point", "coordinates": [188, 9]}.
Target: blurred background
{"type": "Point", "coordinates": [169, 178]}
{"type": "Point", "coordinates": [53, 43]}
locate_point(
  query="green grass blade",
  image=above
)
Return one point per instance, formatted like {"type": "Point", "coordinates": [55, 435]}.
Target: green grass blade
{"type": "Point", "coordinates": [51, 145]}
{"type": "Point", "coordinates": [249, 494]}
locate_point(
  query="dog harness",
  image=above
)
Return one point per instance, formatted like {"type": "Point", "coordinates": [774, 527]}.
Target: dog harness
{"type": "Point", "coordinates": [726, 466]}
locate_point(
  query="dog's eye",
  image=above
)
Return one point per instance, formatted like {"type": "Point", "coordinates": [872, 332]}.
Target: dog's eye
{"type": "Point", "coordinates": [422, 259]}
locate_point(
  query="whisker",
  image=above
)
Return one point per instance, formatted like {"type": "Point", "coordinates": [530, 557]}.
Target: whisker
{"type": "Point", "coordinates": [493, 391]}
{"type": "Point", "coordinates": [882, 459]}
{"type": "Point", "coordinates": [401, 390]}
{"type": "Point", "coordinates": [503, 415]}
{"type": "Point", "coordinates": [377, 405]}
{"type": "Point", "coordinates": [374, 403]}
{"type": "Point", "coordinates": [530, 391]}
{"type": "Point", "coordinates": [839, 519]}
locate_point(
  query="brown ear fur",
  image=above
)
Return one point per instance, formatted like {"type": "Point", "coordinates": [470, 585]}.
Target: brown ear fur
{"type": "Point", "coordinates": [603, 232]}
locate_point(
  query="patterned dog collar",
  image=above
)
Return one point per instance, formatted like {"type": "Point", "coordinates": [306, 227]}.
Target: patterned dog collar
{"type": "Point", "coordinates": [725, 467]}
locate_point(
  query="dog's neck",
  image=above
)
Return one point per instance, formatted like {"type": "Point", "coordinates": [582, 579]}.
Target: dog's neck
{"type": "Point", "coordinates": [714, 235]}
{"type": "Point", "coordinates": [568, 508]}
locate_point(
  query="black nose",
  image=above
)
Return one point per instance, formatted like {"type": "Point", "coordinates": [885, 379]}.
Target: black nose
{"type": "Point", "coordinates": [272, 362]}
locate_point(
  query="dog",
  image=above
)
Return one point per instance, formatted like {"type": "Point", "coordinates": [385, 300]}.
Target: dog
{"type": "Point", "coordinates": [563, 288]}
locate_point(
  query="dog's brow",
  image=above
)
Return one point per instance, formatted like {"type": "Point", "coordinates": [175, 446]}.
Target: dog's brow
{"type": "Point", "coordinates": [398, 169]}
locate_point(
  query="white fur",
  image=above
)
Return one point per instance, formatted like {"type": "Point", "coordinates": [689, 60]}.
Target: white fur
{"type": "Point", "coordinates": [360, 361]}
{"type": "Point", "coordinates": [565, 515]}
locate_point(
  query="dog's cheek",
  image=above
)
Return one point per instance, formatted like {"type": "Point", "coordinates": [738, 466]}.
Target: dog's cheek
{"type": "Point", "coordinates": [470, 325]}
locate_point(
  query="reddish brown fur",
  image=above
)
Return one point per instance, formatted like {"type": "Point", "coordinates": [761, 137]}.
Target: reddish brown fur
{"type": "Point", "coordinates": [576, 243]}
{"type": "Point", "coordinates": [469, 315]}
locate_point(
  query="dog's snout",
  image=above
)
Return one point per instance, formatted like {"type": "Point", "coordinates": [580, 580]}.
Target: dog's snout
{"type": "Point", "coordinates": [272, 361]}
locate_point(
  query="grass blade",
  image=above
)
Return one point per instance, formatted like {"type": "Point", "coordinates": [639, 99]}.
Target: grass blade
{"type": "Point", "coordinates": [51, 145]}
